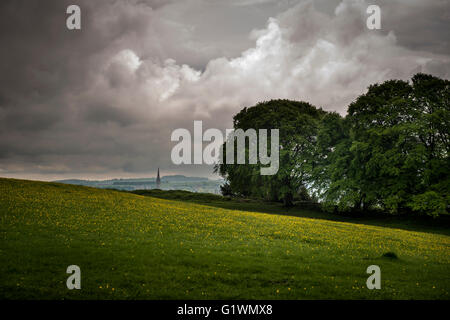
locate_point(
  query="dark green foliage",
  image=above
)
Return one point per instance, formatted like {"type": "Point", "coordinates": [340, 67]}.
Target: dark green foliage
{"type": "Point", "coordinates": [390, 153]}
{"type": "Point", "coordinates": [226, 190]}
{"type": "Point", "coordinates": [297, 122]}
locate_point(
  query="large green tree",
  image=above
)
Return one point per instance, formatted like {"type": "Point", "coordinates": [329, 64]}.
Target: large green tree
{"type": "Point", "coordinates": [297, 123]}
{"type": "Point", "coordinates": [390, 152]}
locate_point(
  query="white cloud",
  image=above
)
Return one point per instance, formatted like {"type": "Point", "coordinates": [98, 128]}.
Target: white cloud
{"type": "Point", "coordinates": [128, 58]}
{"type": "Point", "coordinates": [302, 54]}
{"type": "Point", "coordinates": [109, 100]}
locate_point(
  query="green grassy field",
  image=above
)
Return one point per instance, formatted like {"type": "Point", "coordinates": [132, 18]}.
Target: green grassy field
{"type": "Point", "coordinates": [138, 247]}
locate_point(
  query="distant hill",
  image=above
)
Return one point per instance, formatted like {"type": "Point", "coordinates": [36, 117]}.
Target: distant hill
{"type": "Point", "coordinates": [172, 182]}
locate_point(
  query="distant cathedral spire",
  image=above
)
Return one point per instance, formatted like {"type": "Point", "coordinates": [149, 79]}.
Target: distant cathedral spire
{"type": "Point", "coordinates": [158, 181]}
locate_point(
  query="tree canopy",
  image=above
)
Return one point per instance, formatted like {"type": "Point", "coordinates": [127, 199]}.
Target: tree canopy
{"type": "Point", "coordinates": [390, 152]}
{"type": "Point", "coordinates": [297, 123]}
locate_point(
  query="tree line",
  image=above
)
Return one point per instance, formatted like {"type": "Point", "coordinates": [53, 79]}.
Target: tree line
{"type": "Point", "coordinates": [389, 153]}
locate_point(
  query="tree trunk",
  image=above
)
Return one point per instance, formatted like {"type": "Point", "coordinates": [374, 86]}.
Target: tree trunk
{"type": "Point", "coordinates": [288, 200]}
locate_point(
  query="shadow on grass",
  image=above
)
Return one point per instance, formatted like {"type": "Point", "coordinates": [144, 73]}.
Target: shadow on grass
{"type": "Point", "coordinates": [427, 224]}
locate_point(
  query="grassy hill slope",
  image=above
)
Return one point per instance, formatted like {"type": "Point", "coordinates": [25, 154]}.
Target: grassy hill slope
{"type": "Point", "coordinates": [135, 247]}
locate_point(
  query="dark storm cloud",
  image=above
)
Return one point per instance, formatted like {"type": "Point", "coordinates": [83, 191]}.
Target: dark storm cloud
{"type": "Point", "coordinates": [420, 25]}
{"type": "Point", "coordinates": [104, 100]}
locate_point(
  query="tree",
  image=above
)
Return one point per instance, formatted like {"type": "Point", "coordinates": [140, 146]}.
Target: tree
{"type": "Point", "coordinates": [390, 152]}
{"type": "Point", "coordinates": [329, 167]}
{"type": "Point", "coordinates": [431, 102]}
{"type": "Point", "coordinates": [297, 123]}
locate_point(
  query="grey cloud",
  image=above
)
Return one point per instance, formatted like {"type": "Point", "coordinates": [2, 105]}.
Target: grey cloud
{"type": "Point", "coordinates": [103, 101]}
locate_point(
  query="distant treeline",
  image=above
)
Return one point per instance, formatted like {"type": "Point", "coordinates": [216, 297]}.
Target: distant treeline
{"type": "Point", "coordinates": [389, 153]}
{"type": "Point", "coordinates": [133, 183]}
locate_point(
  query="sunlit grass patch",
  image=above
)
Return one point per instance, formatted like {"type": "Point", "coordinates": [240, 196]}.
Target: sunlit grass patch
{"type": "Point", "coordinates": [135, 247]}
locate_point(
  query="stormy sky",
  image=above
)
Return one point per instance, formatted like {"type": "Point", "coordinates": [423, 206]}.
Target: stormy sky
{"type": "Point", "coordinates": [102, 102]}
